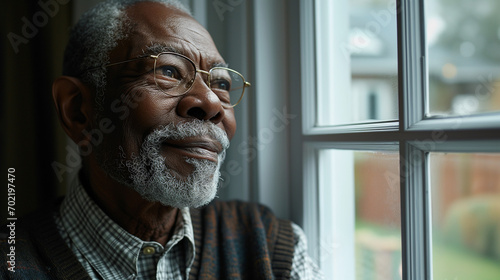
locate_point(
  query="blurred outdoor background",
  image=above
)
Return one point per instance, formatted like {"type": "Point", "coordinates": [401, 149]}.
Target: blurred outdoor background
{"type": "Point", "coordinates": [463, 41]}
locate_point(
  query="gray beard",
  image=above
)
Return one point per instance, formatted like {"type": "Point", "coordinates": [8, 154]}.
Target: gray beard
{"type": "Point", "coordinates": [148, 174]}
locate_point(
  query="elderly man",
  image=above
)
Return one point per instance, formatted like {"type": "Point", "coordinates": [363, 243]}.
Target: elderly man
{"type": "Point", "coordinates": [149, 101]}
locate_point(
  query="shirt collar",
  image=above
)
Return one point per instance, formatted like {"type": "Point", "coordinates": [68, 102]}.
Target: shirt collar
{"type": "Point", "coordinates": [111, 250]}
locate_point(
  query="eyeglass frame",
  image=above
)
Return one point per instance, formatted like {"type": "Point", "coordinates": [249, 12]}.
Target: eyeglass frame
{"type": "Point", "coordinates": [245, 83]}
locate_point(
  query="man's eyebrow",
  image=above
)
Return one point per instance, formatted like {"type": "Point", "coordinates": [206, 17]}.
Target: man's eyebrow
{"type": "Point", "coordinates": [219, 64]}
{"type": "Point", "coordinates": [157, 48]}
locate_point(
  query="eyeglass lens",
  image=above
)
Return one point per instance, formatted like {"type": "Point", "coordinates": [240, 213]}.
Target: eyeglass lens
{"type": "Point", "coordinates": [175, 74]}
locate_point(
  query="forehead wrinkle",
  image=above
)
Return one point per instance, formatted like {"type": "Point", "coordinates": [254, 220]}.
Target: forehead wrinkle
{"type": "Point", "coordinates": [179, 33]}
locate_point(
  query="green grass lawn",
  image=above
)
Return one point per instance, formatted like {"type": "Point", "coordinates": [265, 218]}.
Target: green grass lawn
{"type": "Point", "coordinates": [451, 263]}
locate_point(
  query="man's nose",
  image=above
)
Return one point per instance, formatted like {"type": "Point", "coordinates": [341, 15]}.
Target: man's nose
{"type": "Point", "coordinates": [201, 102]}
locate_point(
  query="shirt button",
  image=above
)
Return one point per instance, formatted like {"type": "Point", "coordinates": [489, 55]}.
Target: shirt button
{"type": "Point", "coordinates": [148, 250]}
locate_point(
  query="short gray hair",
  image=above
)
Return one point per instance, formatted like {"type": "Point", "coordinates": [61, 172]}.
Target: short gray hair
{"type": "Point", "coordinates": [95, 35]}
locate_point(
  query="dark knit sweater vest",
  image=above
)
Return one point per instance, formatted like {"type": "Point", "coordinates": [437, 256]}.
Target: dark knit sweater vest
{"type": "Point", "coordinates": [233, 240]}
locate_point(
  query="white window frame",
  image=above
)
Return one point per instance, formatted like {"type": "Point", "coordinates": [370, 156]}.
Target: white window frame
{"type": "Point", "coordinates": [414, 135]}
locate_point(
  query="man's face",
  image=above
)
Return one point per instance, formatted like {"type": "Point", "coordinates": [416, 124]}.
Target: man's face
{"type": "Point", "coordinates": [168, 148]}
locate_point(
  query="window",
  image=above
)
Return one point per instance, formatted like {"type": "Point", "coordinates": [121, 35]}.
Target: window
{"type": "Point", "coordinates": [465, 202]}
{"type": "Point", "coordinates": [399, 132]}
{"type": "Point", "coordinates": [463, 64]}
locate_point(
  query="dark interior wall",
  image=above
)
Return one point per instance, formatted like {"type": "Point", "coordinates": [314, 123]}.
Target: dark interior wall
{"type": "Point", "coordinates": [33, 34]}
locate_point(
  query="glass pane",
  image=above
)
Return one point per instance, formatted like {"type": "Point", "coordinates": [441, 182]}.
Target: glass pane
{"type": "Point", "coordinates": [358, 82]}
{"type": "Point", "coordinates": [465, 191]}
{"type": "Point", "coordinates": [463, 39]}
{"type": "Point", "coordinates": [366, 184]}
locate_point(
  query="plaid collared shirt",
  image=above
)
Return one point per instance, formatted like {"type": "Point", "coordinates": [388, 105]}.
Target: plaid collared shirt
{"type": "Point", "coordinates": [107, 251]}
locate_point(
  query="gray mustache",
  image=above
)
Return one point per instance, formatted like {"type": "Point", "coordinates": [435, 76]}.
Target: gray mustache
{"type": "Point", "coordinates": [188, 129]}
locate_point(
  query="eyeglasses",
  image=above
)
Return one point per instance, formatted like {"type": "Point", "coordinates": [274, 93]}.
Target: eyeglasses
{"type": "Point", "coordinates": [174, 74]}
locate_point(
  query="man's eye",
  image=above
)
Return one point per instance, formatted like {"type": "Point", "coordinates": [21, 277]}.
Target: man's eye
{"type": "Point", "coordinates": [169, 71]}
{"type": "Point", "coordinates": [221, 85]}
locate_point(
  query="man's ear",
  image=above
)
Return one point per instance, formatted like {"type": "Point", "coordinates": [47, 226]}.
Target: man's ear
{"type": "Point", "coordinates": [73, 101]}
